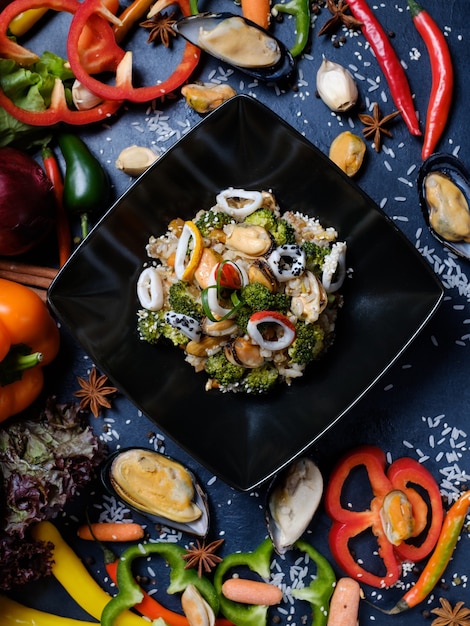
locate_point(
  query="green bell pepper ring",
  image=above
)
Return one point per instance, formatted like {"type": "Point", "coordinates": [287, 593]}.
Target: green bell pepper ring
{"type": "Point", "coordinates": [300, 10]}
{"type": "Point", "coordinates": [258, 561]}
{"type": "Point", "coordinates": [130, 594]}
{"type": "Point", "coordinates": [320, 590]}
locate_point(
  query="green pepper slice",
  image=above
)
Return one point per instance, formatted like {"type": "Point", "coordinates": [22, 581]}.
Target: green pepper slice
{"type": "Point", "coordinates": [130, 594]}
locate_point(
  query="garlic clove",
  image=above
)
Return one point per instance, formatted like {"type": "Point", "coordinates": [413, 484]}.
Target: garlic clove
{"type": "Point", "coordinates": [336, 86]}
{"type": "Point", "coordinates": [134, 160]}
{"type": "Point", "coordinates": [83, 98]}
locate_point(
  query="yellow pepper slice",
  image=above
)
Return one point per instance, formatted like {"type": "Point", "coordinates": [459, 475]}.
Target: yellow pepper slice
{"type": "Point", "coordinates": [14, 614]}
{"type": "Point", "coordinates": [189, 235]}
{"type": "Point", "coordinates": [25, 20]}
{"type": "Point", "coordinates": [72, 574]}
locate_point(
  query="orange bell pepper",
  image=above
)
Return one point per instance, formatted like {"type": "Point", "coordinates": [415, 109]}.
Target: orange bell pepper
{"type": "Point", "coordinates": [29, 339]}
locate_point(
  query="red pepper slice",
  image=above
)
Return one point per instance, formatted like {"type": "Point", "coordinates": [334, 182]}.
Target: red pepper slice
{"type": "Point", "coordinates": [58, 110]}
{"type": "Point", "coordinates": [406, 476]}
{"type": "Point", "coordinates": [228, 275]}
{"type": "Point", "coordinates": [123, 89]}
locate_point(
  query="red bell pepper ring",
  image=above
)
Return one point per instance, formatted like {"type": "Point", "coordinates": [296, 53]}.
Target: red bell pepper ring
{"type": "Point", "coordinates": [405, 477]}
{"type": "Point", "coordinates": [108, 53]}
{"type": "Point", "coordinates": [123, 89]}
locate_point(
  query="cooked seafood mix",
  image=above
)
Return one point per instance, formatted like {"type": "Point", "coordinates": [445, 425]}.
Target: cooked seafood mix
{"type": "Point", "coordinates": [250, 294]}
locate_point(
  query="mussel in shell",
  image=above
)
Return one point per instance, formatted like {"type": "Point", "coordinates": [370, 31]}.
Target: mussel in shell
{"type": "Point", "coordinates": [240, 43]}
{"type": "Point", "coordinates": [158, 487]}
{"type": "Point", "coordinates": [292, 501]}
{"type": "Point", "coordinates": [444, 193]}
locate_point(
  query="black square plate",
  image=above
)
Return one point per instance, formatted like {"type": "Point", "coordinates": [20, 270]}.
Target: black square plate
{"type": "Point", "coordinates": [389, 295]}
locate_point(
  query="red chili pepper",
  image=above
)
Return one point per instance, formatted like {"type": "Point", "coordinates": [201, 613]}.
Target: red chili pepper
{"type": "Point", "coordinates": [442, 87]}
{"type": "Point", "coordinates": [123, 89]}
{"type": "Point", "coordinates": [440, 558]}
{"type": "Point", "coordinates": [388, 61]}
{"type": "Point", "coordinates": [64, 237]}
{"type": "Point", "coordinates": [58, 110]}
{"type": "Point", "coordinates": [398, 512]}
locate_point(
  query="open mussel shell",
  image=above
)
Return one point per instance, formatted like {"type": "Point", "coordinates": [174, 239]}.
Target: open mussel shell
{"type": "Point", "coordinates": [292, 500]}
{"type": "Point", "coordinates": [239, 42]}
{"type": "Point", "coordinates": [159, 488]}
{"type": "Point", "coordinates": [446, 207]}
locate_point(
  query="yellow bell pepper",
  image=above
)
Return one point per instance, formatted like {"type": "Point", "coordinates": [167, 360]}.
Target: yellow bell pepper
{"type": "Point", "coordinates": [25, 20]}
{"type": "Point", "coordinates": [72, 574]}
{"type": "Point", "coordinates": [185, 270]}
{"type": "Point", "coordinates": [16, 614]}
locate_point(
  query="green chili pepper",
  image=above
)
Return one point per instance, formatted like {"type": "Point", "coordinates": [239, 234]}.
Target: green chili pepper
{"type": "Point", "coordinates": [86, 184]}
{"type": "Point", "coordinates": [300, 9]}
{"type": "Point", "coordinates": [320, 590]}
{"type": "Point", "coordinates": [258, 561]}
{"type": "Point", "coordinates": [130, 594]}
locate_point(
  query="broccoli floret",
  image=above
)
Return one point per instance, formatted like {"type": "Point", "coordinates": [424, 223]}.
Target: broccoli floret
{"type": "Point", "coordinates": [282, 231]}
{"type": "Point", "coordinates": [260, 379]}
{"type": "Point", "coordinates": [308, 343]}
{"type": "Point", "coordinates": [211, 220]}
{"type": "Point", "coordinates": [225, 373]}
{"type": "Point", "coordinates": [315, 256]}
{"type": "Point", "coordinates": [152, 327]}
{"type": "Point", "coordinates": [181, 300]}
{"type": "Point", "coordinates": [257, 297]}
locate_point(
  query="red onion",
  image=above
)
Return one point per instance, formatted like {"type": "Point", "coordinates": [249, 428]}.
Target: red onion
{"type": "Point", "coordinates": [26, 202]}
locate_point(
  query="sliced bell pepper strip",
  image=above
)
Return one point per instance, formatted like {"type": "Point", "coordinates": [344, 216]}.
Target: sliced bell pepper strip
{"type": "Point", "coordinates": [405, 478]}
{"type": "Point", "coordinates": [58, 111]}
{"type": "Point", "coordinates": [25, 21]}
{"type": "Point", "coordinates": [72, 574]}
{"type": "Point", "coordinates": [320, 590]}
{"type": "Point", "coordinates": [129, 593]}
{"type": "Point", "coordinates": [131, 14]}
{"type": "Point", "coordinates": [190, 239]}
{"type": "Point", "coordinates": [258, 561]}
{"type": "Point", "coordinates": [124, 89]}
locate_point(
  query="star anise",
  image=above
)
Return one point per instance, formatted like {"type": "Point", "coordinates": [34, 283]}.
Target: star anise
{"type": "Point", "coordinates": [202, 556]}
{"type": "Point", "coordinates": [94, 392]}
{"type": "Point", "coordinates": [340, 18]}
{"type": "Point", "coordinates": [458, 615]}
{"type": "Point", "coordinates": [161, 28]}
{"type": "Point", "coordinates": [375, 125]}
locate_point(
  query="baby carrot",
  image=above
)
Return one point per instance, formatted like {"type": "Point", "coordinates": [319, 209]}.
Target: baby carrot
{"type": "Point", "coordinates": [258, 11]}
{"type": "Point", "coordinates": [251, 592]}
{"type": "Point", "coordinates": [111, 531]}
{"type": "Point", "coordinates": [344, 604]}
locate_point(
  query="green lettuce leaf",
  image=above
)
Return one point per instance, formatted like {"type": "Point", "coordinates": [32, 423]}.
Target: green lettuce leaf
{"type": "Point", "coordinates": [30, 88]}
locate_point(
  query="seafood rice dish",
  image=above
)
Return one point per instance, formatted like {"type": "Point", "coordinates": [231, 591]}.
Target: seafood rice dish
{"type": "Point", "coordinates": [249, 293]}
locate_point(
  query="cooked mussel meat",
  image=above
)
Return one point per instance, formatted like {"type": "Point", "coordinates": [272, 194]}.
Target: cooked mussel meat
{"type": "Point", "coordinates": [444, 192]}
{"type": "Point", "coordinates": [158, 487]}
{"type": "Point", "coordinates": [449, 214]}
{"type": "Point", "coordinates": [292, 502]}
{"type": "Point", "coordinates": [238, 42]}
